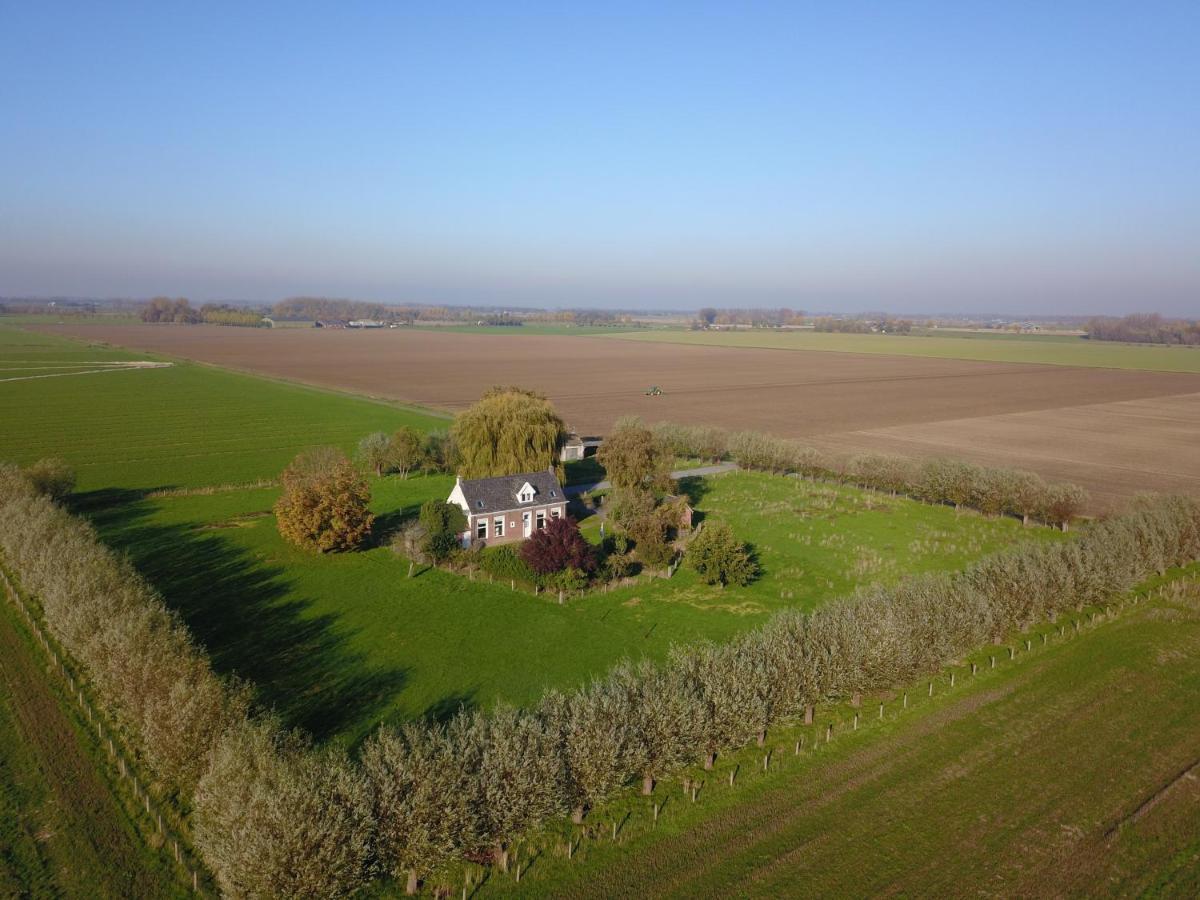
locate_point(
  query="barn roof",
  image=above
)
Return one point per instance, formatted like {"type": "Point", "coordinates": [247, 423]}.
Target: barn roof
{"type": "Point", "coordinates": [499, 494]}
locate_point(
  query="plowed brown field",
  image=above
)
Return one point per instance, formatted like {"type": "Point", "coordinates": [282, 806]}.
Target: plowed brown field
{"type": "Point", "coordinates": [1117, 432]}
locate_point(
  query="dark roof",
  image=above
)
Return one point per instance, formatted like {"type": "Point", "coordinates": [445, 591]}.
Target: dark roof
{"type": "Point", "coordinates": [574, 439]}
{"type": "Point", "coordinates": [500, 493]}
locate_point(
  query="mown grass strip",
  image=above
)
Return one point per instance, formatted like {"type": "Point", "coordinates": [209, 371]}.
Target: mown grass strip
{"type": "Point", "coordinates": [88, 843]}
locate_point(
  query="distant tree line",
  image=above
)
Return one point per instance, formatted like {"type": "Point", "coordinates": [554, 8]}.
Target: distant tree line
{"type": "Point", "coordinates": [274, 815]}
{"type": "Point", "coordinates": [709, 316]}
{"type": "Point", "coordinates": [1145, 328]}
{"type": "Point", "coordinates": [862, 324]}
{"type": "Point", "coordinates": [181, 312]}
{"type": "Point", "coordinates": [327, 308]}
{"type": "Point", "coordinates": [501, 320]}
{"type": "Point", "coordinates": [992, 491]}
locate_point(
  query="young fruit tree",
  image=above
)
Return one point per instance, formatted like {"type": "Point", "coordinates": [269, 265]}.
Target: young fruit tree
{"type": "Point", "coordinates": [1063, 501]}
{"type": "Point", "coordinates": [720, 558]}
{"type": "Point", "coordinates": [325, 502]}
{"type": "Point", "coordinates": [418, 785]}
{"type": "Point", "coordinates": [407, 450]}
{"type": "Point", "coordinates": [375, 452]}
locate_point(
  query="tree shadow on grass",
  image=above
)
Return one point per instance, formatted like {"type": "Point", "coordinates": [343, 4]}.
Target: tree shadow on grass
{"type": "Point", "coordinates": [694, 487]}
{"type": "Point", "coordinates": [388, 524]}
{"type": "Point", "coordinates": [243, 612]}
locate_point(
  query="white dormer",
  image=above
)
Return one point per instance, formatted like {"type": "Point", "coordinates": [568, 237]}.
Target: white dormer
{"type": "Point", "coordinates": [525, 494]}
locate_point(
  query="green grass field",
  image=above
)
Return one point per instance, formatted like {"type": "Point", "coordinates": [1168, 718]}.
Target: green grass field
{"type": "Point", "coordinates": [1015, 349]}
{"type": "Point", "coordinates": [1061, 773]}
{"type": "Point", "coordinates": [63, 832]}
{"type": "Point", "coordinates": [337, 643]}
{"type": "Point", "coordinates": [105, 318]}
{"type": "Point", "coordinates": [182, 426]}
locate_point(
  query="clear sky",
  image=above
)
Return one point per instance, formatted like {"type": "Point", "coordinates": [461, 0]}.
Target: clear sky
{"type": "Point", "coordinates": [960, 156]}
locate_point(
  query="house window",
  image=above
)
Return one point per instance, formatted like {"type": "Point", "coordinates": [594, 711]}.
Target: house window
{"type": "Point", "coordinates": [526, 496]}
{"type": "Point", "coordinates": [554, 513]}
{"type": "Point", "coordinates": [481, 528]}
{"type": "Point", "coordinates": [498, 526]}
{"type": "Point", "coordinates": [541, 519]}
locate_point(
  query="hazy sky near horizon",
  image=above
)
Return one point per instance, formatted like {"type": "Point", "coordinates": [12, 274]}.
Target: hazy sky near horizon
{"type": "Point", "coordinates": [960, 156]}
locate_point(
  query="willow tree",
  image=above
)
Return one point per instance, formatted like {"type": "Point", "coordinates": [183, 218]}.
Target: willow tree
{"type": "Point", "coordinates": [509, 430]}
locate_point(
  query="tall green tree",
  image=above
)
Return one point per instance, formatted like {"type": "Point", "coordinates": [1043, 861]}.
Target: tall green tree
{"type": "Point", "coordinates": [720, 558]}
{"type": "Point", "coordinates": [635, 458]}
{"type": "Point", "coordinates": [508, 430]}
{"type": "Point", "coordinates": [407, 450]}
{"type": "Point", "coordinates": [443, 523]}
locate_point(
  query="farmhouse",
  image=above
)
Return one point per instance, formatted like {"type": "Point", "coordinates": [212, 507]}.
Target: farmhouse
{"type": "Point", "coordinates": [508, 508]}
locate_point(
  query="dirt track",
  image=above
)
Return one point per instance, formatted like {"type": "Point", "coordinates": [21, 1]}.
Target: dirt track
{"type": "Point", "coordinates": [1043, 417]}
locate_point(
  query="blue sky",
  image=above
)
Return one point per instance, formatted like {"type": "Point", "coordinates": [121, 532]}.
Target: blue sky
{"type": "Point", "coordinates": [1020, 157]}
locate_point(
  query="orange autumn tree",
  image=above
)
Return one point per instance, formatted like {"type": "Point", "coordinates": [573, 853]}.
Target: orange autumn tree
{"type": "Point", "coordinates": [325, 502]}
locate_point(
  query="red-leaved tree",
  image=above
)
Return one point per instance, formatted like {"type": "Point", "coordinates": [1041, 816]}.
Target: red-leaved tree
{"type": "Point", "coordinates": [557, 547]}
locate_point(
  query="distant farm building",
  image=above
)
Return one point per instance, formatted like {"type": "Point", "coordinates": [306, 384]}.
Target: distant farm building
{"type": "Point", "coordinates": [508, 508]}
{"type": "Point", "coordinates": [289, 322]}
{"type": "Point", "coordinates": [579, 446]}
{"type": "Point", "coordinates": [365, 323]}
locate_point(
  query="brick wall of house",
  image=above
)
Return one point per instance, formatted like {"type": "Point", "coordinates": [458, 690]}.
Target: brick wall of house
{"type": "Point", "coordinates": [514, 530]}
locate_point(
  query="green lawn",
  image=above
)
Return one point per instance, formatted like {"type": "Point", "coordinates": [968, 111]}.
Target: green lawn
{"type": "Point", "coordinates": [186, 425]}
{"type": "Point", "coordinates": [1059, 773]}
{"type": "Point", "coordinates": [339, 642]}
{"type": "Point", "coordinates": [106, 318]}
{"type": "Point", "coordinates": [1017, 349]}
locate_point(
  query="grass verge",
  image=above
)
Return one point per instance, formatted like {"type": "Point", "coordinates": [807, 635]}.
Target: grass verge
{"type": "Point", "coordinates": [1063, 771]}
{"type": "Point", "coordinates": [63, 831]}
{"type": "Point", "coordinates": [1013, 349]}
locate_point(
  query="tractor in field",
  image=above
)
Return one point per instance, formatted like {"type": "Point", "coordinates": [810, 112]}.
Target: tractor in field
{"type": "Point", "coordinates": [654, 391]}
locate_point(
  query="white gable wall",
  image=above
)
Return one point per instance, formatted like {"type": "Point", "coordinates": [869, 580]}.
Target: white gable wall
{"type": "Point", "coordinates": [456, 497]}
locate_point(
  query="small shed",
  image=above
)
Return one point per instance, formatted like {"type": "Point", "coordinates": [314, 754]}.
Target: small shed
{"type": "Point", "coordinates": [683, 511]}
{"type": "Point", "coordinates": [579, 446]}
